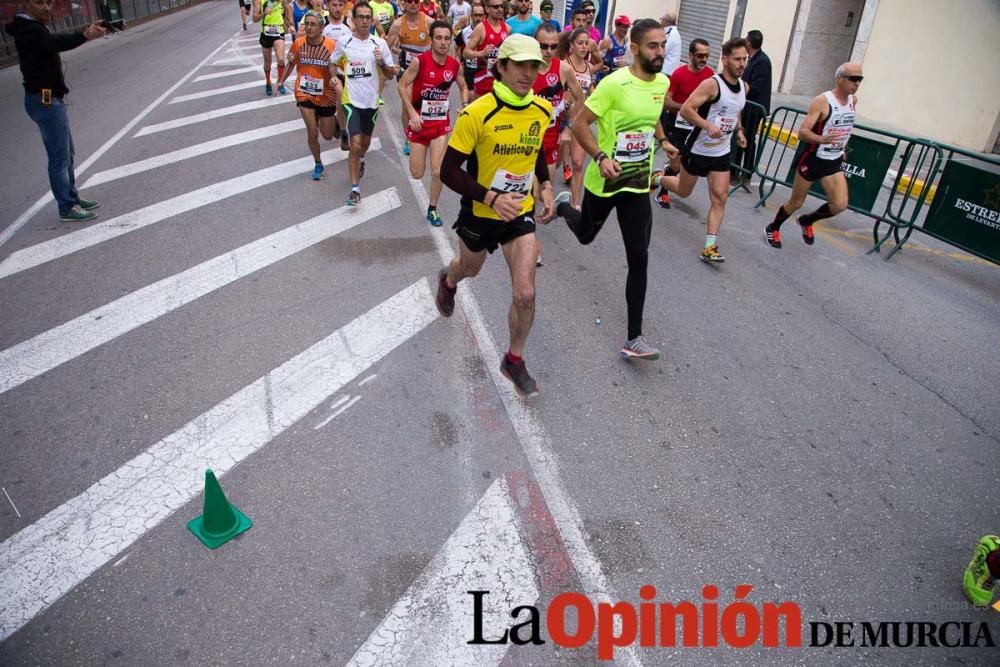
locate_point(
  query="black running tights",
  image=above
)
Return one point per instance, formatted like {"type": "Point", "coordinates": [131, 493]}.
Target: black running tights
{"type": "Point", "coordinates": [635, 218]}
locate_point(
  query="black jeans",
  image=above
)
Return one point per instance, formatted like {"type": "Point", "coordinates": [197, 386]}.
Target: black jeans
{"type": "Point", "coordinates": [751, 118]}
{"type": "Point", "coordinates": [635, 218]}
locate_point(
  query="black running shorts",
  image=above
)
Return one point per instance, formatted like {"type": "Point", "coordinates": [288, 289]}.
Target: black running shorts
{"type": "Point", "coordinates": [321, 111]}
{"type": "Point", "coordinates": [480, 234]}
{"type": "Point", "coordinates": [701, 165]}
{"type": "Point", "coordinates": [813, 168]}
{"type": "Point", "coordinates": [268, 42]}
{"type": "Point", "coordinates": [360, 121]}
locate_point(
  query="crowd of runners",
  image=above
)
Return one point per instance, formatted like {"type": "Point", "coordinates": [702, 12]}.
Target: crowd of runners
{"type": "Point", "coordinates": [528, 93]}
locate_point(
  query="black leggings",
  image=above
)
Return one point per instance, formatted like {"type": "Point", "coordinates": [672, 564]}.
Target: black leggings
{"type": "Point", "coordinates": [635, 218]}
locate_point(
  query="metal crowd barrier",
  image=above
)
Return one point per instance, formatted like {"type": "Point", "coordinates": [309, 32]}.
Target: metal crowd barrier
{"type": "Point", "coordinates": [964, 211]}
{"type": "Point", "coordinates": [874, 158]}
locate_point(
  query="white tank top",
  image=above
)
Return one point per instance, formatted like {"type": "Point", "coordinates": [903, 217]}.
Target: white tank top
{"type": "Point", "coordinates": [724, 113]}
{"type": "Point", "coordinates": [838, 125]}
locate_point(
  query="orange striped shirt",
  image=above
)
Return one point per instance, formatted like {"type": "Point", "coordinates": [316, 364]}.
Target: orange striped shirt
{"type": "Point", "coordinates": [312, 67]}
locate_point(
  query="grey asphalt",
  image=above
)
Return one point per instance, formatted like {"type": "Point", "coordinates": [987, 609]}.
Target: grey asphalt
{"type": "Point", "coordinates": [824, 425]}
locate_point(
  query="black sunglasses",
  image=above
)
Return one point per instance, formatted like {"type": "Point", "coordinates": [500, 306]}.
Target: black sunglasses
{"type": "Point", "coordinates": [853, 78]}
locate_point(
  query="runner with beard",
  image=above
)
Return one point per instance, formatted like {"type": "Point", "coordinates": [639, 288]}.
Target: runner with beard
{"type": "Point", "coordinates": [714, 111]}
{"type": "Point", "coordinates": [626, 107]}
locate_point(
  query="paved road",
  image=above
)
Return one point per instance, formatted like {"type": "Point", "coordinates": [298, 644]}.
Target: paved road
{"type": "Point", "coordinates": [824, 425]}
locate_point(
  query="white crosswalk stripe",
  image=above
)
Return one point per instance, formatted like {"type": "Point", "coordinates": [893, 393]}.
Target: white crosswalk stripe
{"type": "Point", "coordinates": [182, 154]}
{"type": "Point", "coordinates": [130, 222]}
{"type": "Point", "coordinates": [44, 561]}
{"type": "Point", "coordinates": [26, 361]}
{"type": "Point", "coordinates": [216, 92]}
{"type": "Point", "coordinates": [231, 72]}
{"type": "Point", "coordinates": [215, 113]}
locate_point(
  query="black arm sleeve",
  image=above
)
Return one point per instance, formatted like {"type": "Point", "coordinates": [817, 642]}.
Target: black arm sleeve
{"type": "Point", "coordinates": [457, 178]}
{"type": "Point", "coordinates": [541, 169]}
{"type": "Point", "coordinates": [67, 41]}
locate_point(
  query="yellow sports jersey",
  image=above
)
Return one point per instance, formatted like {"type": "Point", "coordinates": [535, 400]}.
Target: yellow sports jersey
{"type": "Point", "coordinates": [503, 141]}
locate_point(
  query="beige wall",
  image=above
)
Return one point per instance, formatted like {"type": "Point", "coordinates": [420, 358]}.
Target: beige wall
{"type": "Point", "coordinates": [932, 69]}
{"type": "Point", "coordinates": [645, 9]}
{"type": "Point", "coordinates": [774, 19]}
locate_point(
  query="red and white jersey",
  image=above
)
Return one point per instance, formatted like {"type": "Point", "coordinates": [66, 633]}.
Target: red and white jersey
{"type": "Point", "coordinates": [491, 43]}
{"type": "Point", "coordinates": [549, 86]}
{"type": "Point", "coordinates": [432, 86]}
{"type": "Point", "coordinates": [838, 124]}
{"type": "Point", "coordinates": [429, 9]}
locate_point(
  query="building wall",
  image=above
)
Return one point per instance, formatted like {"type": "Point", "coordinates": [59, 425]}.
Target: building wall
{"type": "Point", "coordinates": [932, 69]}
{"type": "Point", "coordinates": [645, 9]}
{"type": "Point", "coordinates": [773, 18]}
{"type": "Point", "coordinates": [827, 41]}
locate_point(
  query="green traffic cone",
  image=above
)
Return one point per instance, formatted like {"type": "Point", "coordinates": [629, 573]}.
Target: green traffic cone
{"type": "Point", "coordinates": [220, 521]}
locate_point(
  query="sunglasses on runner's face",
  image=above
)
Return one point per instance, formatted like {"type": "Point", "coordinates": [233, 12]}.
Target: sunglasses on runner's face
{"type": "Point", "coordinates": [548, 47]}
{"type": "Point", "coordinates": [853, 78]}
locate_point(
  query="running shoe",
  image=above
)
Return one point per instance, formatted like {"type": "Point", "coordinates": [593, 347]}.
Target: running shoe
{"type": "Point", "coordinates": [244, 26]}
{"type": "Point", "coordinates": [445, 299]}
{"type": "Point", "coordinates": [317, 172]}
{"type": "Point", "coordinates": [281, 90]}
{"type": "Point", "coordinates": [88, 205]}
{"type": "Point", "coordinates": [638, 348]}
{"type": "Point", "coordinates": [663, 198]}
{"type": "Point", "coordinates": [406, 148]}
{"type": "Point", "coordinates": [518, 374]}
{"type": "Point", "coordinates": [711, 255]}
{"type": "Point", "coordinates": [807, 232]}
{"type": "Point", "coordinates": [381, 102]}
{"type": "Point", "coordinates": [978, 582]}
{"type": "Point", "coordinates": [773, 237]}
{"type": "Point", "coordinates": [353, 199]}
{"type": "Point", "coordinates": [268, 89]}
{"type": "Point", "coordinates": [434, 217]}
{"type": "Point", "coordinates": [567, 173]}
{"type": "Point", "coordinates": [345, 144]}
{"type": "Point", "coordinates": [77, 214]}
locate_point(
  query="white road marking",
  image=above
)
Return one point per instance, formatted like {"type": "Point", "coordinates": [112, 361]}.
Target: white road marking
{"type": "Point", "coordinates": [129, 222]}
{"type": "Point", "coordinates": [432, 623]}
{"type": "Point", "coordinates": [45, 560]}
{"type": "Point", "coordinates": [216, 91]}
{"type": "Point", "coordinates": [29, 359]}
{"type": "Point", "coordinates": [534, 439]}
{"type": "Point", "coordinates": [336, 413]}
{"type": "Point", "coordinates": [215, 113]}
{"type": "Point", "coordinates": [240, 59]}
{"type": "Point", "coordinates": [11, 503]}
{"type": "Point", "coordinates": [23, 219]}
{"type": "Point", "coordinates": [238, 70]}
{"type": "Point", "coordinates": [261, 133]}
{"type": "Point", "coordinates": [367, 380]}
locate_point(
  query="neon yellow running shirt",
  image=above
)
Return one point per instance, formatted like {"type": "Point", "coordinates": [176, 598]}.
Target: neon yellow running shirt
{"type": "Point", "coordinates": [627, 109]}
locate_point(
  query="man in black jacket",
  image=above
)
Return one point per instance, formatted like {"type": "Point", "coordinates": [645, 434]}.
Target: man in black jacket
{"type": "Point", "coordinates": [44, 92]}
{"type": "Point", "coordinates": [758, 76]}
